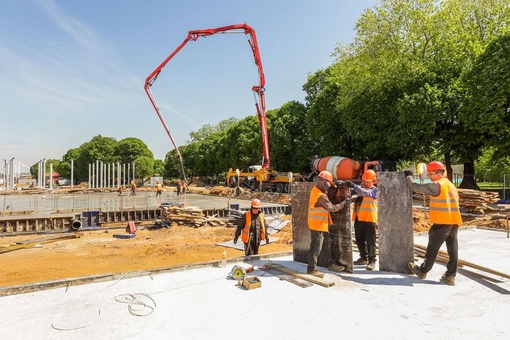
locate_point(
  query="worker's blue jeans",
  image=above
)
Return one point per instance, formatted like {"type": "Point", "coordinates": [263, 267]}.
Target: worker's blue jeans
{"type": "Point", "coordinates": [317, 237]}
{"type": "Point", "coordinates": [438, 234]}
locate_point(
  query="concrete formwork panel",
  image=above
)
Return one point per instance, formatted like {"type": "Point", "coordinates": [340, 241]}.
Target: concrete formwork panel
{"type": "Point", "coordinates": [395, 203]}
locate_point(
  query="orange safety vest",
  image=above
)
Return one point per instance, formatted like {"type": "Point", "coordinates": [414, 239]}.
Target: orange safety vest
{"type": "Point", "coordinates": [245, 235]}
{"type": "Point", "coordinates": [444, 209]}
{"type": "Point", "coordinates": [367, 210]}
{"type": "Point", "coordinates": [318, 217]}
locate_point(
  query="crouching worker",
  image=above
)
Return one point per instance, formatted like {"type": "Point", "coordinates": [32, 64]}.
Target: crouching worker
{"type": "Point", "coordinates": [252, 227]}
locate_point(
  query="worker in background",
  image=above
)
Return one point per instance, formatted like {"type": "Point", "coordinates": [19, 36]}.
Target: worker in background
{"type": "Point", "coordinates": [179, 186]}
{"type": "Point", "coordinates": [132, 187]}
{"type": "Point", "coordinates": [319, 218]}
{"type": "Point", "coordinates": [445, 218]}
{"type": "Point", "coordinates": [120, 189]}
{"type": "Point", "coordinates": [184, 187]}
{"type": "Point", "coordinates": [340, 230]}
{"type": "Point", "coordinates": [252, 229]}
{"type": "Point", "coordinates": [365, 219]}
{"type": "Point", "coordinates": [159, 188]}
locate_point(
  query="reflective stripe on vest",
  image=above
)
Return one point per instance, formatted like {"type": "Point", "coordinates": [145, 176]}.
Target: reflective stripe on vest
{"type": "Point", "coordinates": [245, 234]}
{"type": "Point", "coordinates": [444, 209]}
{"type": "Point", "coordinates": [318, 217]}
{"type": "Point", "coordinates": [367, 211]}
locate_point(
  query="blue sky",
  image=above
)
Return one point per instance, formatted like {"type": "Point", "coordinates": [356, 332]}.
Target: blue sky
{"type": "Point", "coordinates": [71, 70]}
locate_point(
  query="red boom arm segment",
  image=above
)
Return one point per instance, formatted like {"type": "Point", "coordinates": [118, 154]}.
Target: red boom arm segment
{"type": "Point", "coordinates": [258, 89]}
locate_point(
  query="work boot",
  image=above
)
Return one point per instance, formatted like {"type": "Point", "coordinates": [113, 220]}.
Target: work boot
{"type": "Point", "coordinates": [315, 272]}
{"type": "Point", "coordinates": [371, 266]}
{"type": "Point", "coordinates": [416, 270]}
{"type": "Point", "coordinates": [360, 262]}
{"type": "Point", "coordinates": [336, 268]}
{"type": "Point", "coordinates": [449, 280]}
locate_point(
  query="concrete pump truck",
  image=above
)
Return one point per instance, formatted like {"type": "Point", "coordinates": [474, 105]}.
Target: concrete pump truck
{"type": "Point", "coordinates": [261, 177]}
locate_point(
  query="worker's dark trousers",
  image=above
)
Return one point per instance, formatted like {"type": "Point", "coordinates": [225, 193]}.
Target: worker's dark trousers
{"type": "Point", "coordinates": [438, 234]}
{"type": "Point", "coordinates": [365, 239]}
{"type": "Point", "coordinates": [252, 247]}
{"type": "Point", "coordinates": [317, 237]}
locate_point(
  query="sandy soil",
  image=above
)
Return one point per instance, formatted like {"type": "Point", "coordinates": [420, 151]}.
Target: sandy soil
{"type": "Point", "coordinates": [98, 252]}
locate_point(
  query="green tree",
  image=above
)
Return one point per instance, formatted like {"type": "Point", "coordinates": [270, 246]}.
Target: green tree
{"type": "Point", "coordinates": [64, 167]}
{"type": "Point", "coordinates": [131, 148]}
{"type": "Point", "coordinates": [159, 167]}
{"type": "Point", "coordinates": [100, 149]}
{"type": "Point", "coordinates": [290, 145]}
{"type": "Point", "coordinates": [144, 167]}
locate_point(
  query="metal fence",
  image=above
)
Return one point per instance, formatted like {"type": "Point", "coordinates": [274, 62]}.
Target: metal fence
{"type": "Point", "coordinates": [52, 203]}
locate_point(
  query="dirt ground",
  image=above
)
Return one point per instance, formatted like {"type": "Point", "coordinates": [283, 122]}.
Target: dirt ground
{"type": "Point", "coordinates": [98, 252]}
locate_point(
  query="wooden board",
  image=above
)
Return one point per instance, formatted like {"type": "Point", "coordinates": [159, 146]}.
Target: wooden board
{"type": "Point", "coordinates": [289, 278]}
{"type": "Point", "coordinates": [299, 275]}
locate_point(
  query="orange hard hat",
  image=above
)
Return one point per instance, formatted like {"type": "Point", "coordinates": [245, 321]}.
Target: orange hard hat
{"type": "Point", "coordinates": [255, 203]}
{"type": "Point", "coordinates": [435, 165]}
{"type": "Point", "coordinates": [369, 175]}
{"type": "Point", "coordinates": [326, 175]}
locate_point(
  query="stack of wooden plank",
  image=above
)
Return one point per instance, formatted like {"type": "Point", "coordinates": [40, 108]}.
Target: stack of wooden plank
{"type": "Point", "coordinates": [472, 201]}
{"type": "Point", "coordinates": [190, 216]}
{"type": "Point", "coordinates": [476, 201]}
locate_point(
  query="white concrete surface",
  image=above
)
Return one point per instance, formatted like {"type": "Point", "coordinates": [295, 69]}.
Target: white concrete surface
{"type": "Point", "coordinates": [203, 304]}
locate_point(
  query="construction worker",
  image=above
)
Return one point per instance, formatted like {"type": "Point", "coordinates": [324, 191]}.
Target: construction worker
{"type": "Point", "coordinates": [252, 227]}
{"type": "Point", "coordinates": [179, 186]}
{"type": "Point", "coordinates": [319, 218]}
{"type": "Point", "coordinates": [445, 218]}
{"type": "Point", "coordinates": [339, 232]}
{"type": "Point", "coordinates": [159, 188]}
{"type": "Point", "coordinates": [132, 186]}
{"type": "Point", "coordinates": [365, 219]}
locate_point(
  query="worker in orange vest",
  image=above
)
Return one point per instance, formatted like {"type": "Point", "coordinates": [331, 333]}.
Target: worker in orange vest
{"type": "Point", "coordinates": [252, 229]}
{"type": "Point", "coordinates": [365, 219]}
{"type": "Point", "coordinates": [159, 188]}
{"type": "Point", "coordinates": [445, 218]}
{"type": "Point", "coordinates": [319, 218]}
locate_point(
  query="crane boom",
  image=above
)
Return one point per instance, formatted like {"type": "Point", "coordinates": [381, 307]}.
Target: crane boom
{"type": "Point", "coordinates": [257, 89]}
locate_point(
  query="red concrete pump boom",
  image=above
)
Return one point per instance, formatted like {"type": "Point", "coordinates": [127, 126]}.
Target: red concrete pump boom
{"type": "Point", "coordinates": [258, 89]}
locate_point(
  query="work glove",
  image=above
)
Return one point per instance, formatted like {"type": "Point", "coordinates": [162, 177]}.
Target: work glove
{"type": "Point", "coordinates": [408, 173]}
{"type": "Point", "coordinates": [235, 240]}
{"type": "Point", "coordinates": [339, 183]}
{"type": "Point", "coordinates": [351, 199]}
{"type": "Point", "coordinates": [349, 184]}
{"type": "Point", "coordinates": [267, 239]}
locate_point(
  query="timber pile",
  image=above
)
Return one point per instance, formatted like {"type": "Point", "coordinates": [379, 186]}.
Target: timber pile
{"type": "Point", "coordinates": [477, 202]}
{"type": "Point", "coordinates": [472, 201]}
{"type": "Point", "coordinates": [190, 216]}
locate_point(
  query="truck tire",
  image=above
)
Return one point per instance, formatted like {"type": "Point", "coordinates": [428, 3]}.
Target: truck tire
{"type": "Point", "coordinates": [279, 187]}
{"type": "Point", "coordinates": [286, 188]}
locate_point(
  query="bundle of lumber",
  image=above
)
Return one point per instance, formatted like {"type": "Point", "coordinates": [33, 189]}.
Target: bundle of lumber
{"type": "Point", "coordinates": [476, 201]}
{"type": "Point", "coordinates": [471, 201]}
{"type": "Point", "coordinates": [190, 216]}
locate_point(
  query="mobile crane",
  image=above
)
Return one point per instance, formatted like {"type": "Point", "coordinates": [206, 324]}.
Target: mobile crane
{"type": "Point", "coordinates": [264, 178]}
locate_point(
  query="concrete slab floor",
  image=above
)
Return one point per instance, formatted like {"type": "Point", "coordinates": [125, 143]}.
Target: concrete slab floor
{"type": "Point", "coordinates": [203, 303]}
